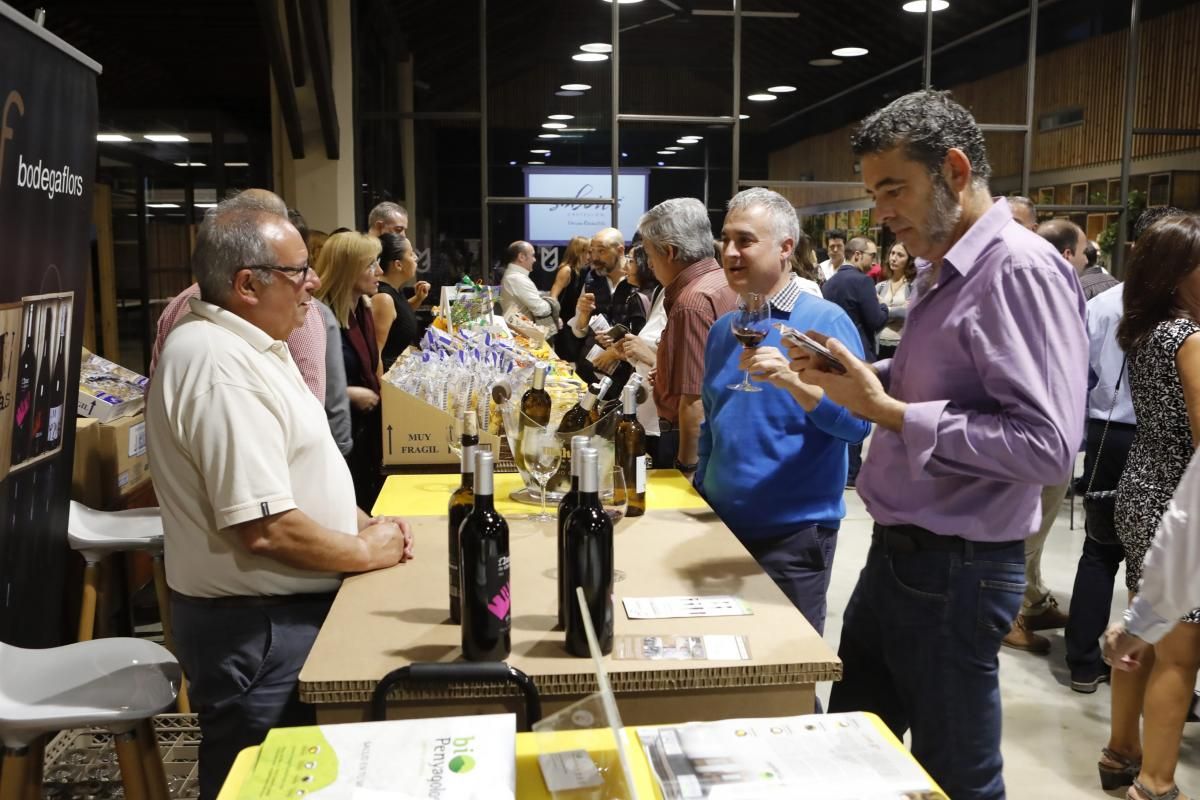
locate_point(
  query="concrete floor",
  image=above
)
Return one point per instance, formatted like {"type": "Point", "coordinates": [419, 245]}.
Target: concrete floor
{"type": "Point", "coordinates": [1052, 736]}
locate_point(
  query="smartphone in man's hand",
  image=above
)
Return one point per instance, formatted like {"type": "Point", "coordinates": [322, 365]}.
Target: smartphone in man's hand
{"type": "Point", "coordinates": [800, 339]}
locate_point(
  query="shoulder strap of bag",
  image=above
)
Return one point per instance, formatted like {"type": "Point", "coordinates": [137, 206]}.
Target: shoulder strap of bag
{"type": "Point", "coordinates": [1112, 407]}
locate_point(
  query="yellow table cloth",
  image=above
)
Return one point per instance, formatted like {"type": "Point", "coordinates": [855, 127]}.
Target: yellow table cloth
{"type": "Point", "coordinates": [427, 495]}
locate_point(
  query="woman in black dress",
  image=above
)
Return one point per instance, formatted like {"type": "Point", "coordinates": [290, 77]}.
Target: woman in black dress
{"type": "Point", "coordinates": [395, 316]}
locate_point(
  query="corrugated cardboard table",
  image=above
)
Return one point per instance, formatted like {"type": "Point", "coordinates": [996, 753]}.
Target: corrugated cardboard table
{"type": "Point", "coordinates": [387, 619]}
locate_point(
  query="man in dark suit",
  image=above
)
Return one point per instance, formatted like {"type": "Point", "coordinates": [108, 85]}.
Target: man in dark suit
{"type": "Point", "coordinates": [853, 290]}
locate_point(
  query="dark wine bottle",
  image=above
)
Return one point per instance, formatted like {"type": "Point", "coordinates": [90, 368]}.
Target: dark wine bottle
{"type": "Point", "coordinates": [631, 453]}
{"type": "Point", "coordinates": [483, 569]}
{"type": "Point", "coordinates": [535, 403]}
{"type": "Point", "coordinates": [643, 392]}
{"type": "Point", "coordinates": [589, 550]}
{"type": "Point", "coordinates": [597, 410]}
{"type": "Point", "coordinates": [569, 503]}
{"type": "Point", "coordinates": [461, 502]}
{"type": "Point", "coordinates": [576, 418]}
{"type": "Point", "coordinates": [23, 413]}
{"type": "Point", "coordinates": [58, 385]}
{"type": "Point", "coordinates": [41, 393]}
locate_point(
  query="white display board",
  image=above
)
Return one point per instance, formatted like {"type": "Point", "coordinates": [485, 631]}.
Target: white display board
{"type": "Point", "coordinates": [557, 224]}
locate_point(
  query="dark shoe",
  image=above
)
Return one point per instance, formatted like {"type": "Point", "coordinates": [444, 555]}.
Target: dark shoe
{"type": "Point", "coordinates": [1087, 684]}
{"type": "Point", "coordinates": [1049, 619]}
{"type": "Point", "coordinates": [1139, 792]}
{"type": "Point", "coordinates": [1021, 638]}
{"type": "Point", "coordinates": [1117, 770]}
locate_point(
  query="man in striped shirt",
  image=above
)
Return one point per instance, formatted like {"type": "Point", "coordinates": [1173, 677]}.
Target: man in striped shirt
{"type": "Point", "coordinates": [677, 237]}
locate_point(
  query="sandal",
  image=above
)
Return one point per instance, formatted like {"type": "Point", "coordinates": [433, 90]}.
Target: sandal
{"type": "Point", "coordinates": [1138, 791]}
{"type": "Point", "coordinates": [1117, 770]}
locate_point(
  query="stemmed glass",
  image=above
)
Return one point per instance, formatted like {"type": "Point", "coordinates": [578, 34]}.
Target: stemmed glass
{"type": "Point", "coordinates": [454, 436]}
{"type": "Point", "coordinates": [542, 451]}
{"type": "Point", "coordinates": [614, 500]}
{"type": "Point", "coordinates": [750, 326]}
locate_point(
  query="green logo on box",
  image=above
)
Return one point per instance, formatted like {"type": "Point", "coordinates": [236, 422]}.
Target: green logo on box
{"type": "Point", "coordinates": [461, 764]}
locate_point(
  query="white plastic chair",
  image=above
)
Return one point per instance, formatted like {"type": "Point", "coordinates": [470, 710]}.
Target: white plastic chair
{"type": "Point", "coordinates": [118, 683]}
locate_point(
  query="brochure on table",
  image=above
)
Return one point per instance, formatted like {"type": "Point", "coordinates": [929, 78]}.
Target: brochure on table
{"type": "Point", "coordinates": [831, 756]}
{"type": "Point", "coordinates": [446, 758]}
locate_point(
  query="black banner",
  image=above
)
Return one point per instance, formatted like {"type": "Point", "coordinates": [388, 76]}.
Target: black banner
{"type": "Point", "coordinates": [48, 121]}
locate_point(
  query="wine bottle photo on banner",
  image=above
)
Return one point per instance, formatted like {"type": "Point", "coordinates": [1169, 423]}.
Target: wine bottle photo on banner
{"type": "Point", "coordinates": [37, 385]}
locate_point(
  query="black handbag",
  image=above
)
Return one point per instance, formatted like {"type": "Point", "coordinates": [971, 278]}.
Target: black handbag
{"type": "Point", "coordinates": [1099, 508]}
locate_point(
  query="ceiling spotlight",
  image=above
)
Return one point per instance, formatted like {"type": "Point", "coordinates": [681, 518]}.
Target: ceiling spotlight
{"type": "Point", "coordinates": [673, 147]}
{"type": "Point", "coordinates": [549, 136]}
{"type": "Point", "coordinates": [590, 57]}
{"type": "Point", "coordinates": [918, 6]}
{"type": "Point", "coordinates": [761, 97]}
{"type": "Point", "coordinates": [560, 116]}
{"type": "Point", "coordinates": [624, 155]}
{"type": "Point", "coordinates": [162, 205]}
{"type": "Point", "coordinates": [624, 2]}
{"type": "Point", "coordinates": [850, 52]}
{"type": "Point", "coordinates": [566, 93]}
{"type": "Point", "coordinates": [189, 163]}
{"type": "Point", "coordinates": [743, 116]}
{"type": "Point", "coordinates": [205, 205]}
{"type": "Point", "coordinates": [575, 87]}
{"type": "Point", "coordinates": [825, 62]}
{"type": "Point", "coordinates": [165, 137]}
{"type": "Point", "coordinates": [596, 47]}
{"type": "Point", "coordinates": [661, 164]}
{"type": "Point", "coordinates": [237, 163]}
{"type": "Point", "coordinates": [688, 140]}
{"type": "Point", "coordinates": [112, 137]}
{"type": "Point", "coordinates": [512, 163]}
{"type": "Point", "coordinates": [540, 152]}
{"type": "Point", "coordinates": [554, 126]}
{"type": "Point", "coordinates": [666, 152]}
{"type": "Point", "coordinates": [537, 162]}
{"type": "Point", "coordinates": [782, 89]}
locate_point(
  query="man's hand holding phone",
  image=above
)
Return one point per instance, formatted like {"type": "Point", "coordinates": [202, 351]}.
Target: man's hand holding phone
{"type": "Point", "coordinates": [855, 386]}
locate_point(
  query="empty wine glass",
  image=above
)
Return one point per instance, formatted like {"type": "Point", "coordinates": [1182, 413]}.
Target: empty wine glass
{"type": "Point", "coordinates": [454, 436]}
{"type": "Point", "coordinates": [542, 451]}
{"type": "Point", "coordinates": [750, 325]}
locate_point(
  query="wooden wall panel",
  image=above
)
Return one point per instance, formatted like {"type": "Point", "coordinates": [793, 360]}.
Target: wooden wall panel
{"type": "Point", "coordinates": [1089, 75]}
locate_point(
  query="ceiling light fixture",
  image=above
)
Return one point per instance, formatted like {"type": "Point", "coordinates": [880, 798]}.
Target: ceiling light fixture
{"type": "Point", "coordinates": [112, 137]}
{"type": "Point", "coordinates": [850, 52]}
{"type": "Point", "coordinates": [661, 164]}
{"type": "Point", "coordinates": [743, 116]}
{"type": "Point", "coordinates": [624, 2]}
{"type": "Point", "coordinates": [596, 47]}
{"type": "Point", "coordinates": [575, 87]}
{"type": "Point", "coordinates": [825, 62]}
{"type": "Point", "coordinates": [512, 163]}
{"type": "Point", "coordinates": [162, 205]}
{"type": "Point", "coordinates": [565, 93]}
{"type": "Point", "coordinates": [761, 97]}
{"type": "Point", "coordinates": [190, 164]}
{"type": "Point", "coordinates": [688, 140]}
{"type": "Point", "coordinates": [165, 137]}
{"type": "Point", "coordinates": [540, 152]}
{"type": "Point", "coordinates": [781, 89]}
{"type": "Point", "coordinates": [674, 147]}
{"type": "Point", "coordinates": [554, 126]}
{"type": "Point", "coordinates": [590, 57]}
{"type": "Point", "coordinates": [561, 116]}
{"type": "Point", "coordinates": [666, 152]}
{"type": "Point", "coordinates": [204, 205]}
{"type": "Point", "coordinates": [549, 136]}
{"type": "Point", "coordinates": [918, 6]}
{"type": "Point", "coordinates": [537, 163]}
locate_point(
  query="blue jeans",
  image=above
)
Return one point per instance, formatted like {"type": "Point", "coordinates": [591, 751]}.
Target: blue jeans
{"type": "Point", "coordinates": [801, 565]}
{"type": "Point", "coordinates": [242, 666]}
{"type": "Point", "coordinates": [919, 648]}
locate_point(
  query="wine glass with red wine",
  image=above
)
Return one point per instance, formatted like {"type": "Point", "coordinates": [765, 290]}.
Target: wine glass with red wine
{"type": "Point", "coordinates": [750, 325]}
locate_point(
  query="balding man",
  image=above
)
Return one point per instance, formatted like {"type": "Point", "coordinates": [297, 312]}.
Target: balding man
{"type": "Point", "coordinates": [306, 342]}
{"type": "Point", "coordinates": [1024, 212]}
{"type": "Point", "coordinates": [1070, 240]}
{"type": "Point", "coordinates": [257, 502]}
{"type": "Point", "coordinates": [605, 292]}
{"type": "Point", "coordinates": [387, 217]}
{"type": "Point", "coordinates": [519, 295]}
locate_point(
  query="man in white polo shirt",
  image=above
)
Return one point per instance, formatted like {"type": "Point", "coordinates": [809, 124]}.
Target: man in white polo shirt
{"type": "Point", "coordinates": [257, 502]}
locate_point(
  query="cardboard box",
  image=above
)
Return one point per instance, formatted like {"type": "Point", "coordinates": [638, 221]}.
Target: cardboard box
{"type": "Point", "coordinates": [110, 461]}
{"type": "Point", "coordinates": [108, 391]}
{"type": "Point", "coordinates": [416, 433]}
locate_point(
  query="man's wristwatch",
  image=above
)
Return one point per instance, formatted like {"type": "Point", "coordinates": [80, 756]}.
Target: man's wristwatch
{"type": "Point", "coordinates": [679, 465]}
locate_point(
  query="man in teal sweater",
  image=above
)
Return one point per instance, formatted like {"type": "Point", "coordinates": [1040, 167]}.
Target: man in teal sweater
{"type": "Point", "coordinates": [773, 463]}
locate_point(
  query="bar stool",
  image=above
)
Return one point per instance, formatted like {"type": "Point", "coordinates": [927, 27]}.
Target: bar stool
{"type": "Point", "coordinates": [118, 683]}
{"type": "Point", "coordinates": [96, 534]}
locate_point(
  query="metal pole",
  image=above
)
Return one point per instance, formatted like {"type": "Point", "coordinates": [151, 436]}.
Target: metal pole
{"type": "Point", "coordinates": [485, 259]}
{"type": "Point", "coordinates": [706, 174]}
{"type": "Point", "coordinates": [929, 43]}
{"type": "Point", "coordinates": [1131, 78]}
{"type": "Point", "coordinates": [616, 111]}
{"type": "Point", "coordinates": [1030, 74]}
{"type": "Point", "coordinates": [737, 96]}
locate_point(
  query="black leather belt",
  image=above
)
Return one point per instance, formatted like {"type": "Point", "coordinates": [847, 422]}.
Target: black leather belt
{"type": "Point", "coordinates": [252, 601]}
{"type": "Point", "coordinates": [666, 425]}
{"type": "Point", "coordinates": [912, 539]}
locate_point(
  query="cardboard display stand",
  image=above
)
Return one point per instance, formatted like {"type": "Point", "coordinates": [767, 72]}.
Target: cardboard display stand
{"type": "Point", "coordinates": [416, 433]}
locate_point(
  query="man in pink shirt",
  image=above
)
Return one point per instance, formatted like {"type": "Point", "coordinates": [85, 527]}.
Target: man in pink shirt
{"type": "Point", "coordinates": [307, 342]}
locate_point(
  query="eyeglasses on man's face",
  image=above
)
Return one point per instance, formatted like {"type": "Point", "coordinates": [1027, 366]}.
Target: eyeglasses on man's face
{"type": "Point", "coordinates": [291, 272]}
